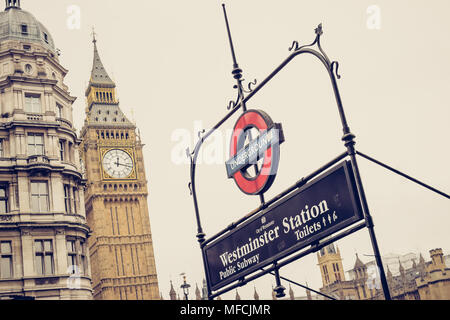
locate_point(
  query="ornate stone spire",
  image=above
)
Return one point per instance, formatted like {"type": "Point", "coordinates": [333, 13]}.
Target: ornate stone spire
{"type": "Point", "coordinates": [291, 292]}
{"type": "Point", "coordinates": [172, 293]}
{"type": "Point", "coordinates": [400, 268]}
{"type": "Point", "coordinates": [99, 76]}
{"type": "Point", "coordinates": [102, 103]}
{"type": "Point", "coordinates": [389, 275]}
{"type": "Point", "coordinates": [238, 297]}
{"type": "Point", "coordinates": [255, 294]}
{"type": "Point", "coordinates": [204, 290]}
{"type": "Point", "coordinates": [197, 293]}
{"type": "Point", "coordinates": [308, 293]}
{"type": "Point", "coordinates": [422, 266]}
{"type": "Point", "coordinates": [358, 263]}
{"type": "Point", "coordinates": [421, 259]}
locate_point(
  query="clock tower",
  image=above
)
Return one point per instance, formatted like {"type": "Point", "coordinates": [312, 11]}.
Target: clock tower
{"type": "Point", "coordinates": [121, 247]}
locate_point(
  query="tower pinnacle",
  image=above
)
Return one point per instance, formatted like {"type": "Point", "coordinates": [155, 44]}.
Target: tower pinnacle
{"type": "Point", "coordinates": [99, 76]}
{"type": "Point", "coordinates": [94, 40]}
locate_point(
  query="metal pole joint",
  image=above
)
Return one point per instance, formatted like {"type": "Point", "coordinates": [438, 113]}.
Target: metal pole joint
{"type": "Point", "coordinates": [369, 221]}
{"type": "Point", "coordinates": [201, 237]}
{"type": "Point", "coordinates": [279, 289]}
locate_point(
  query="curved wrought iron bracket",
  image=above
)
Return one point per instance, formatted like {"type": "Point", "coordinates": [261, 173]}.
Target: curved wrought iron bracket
{"type": "Point", "coordinates": [250, 86]}
{"type": "Point", "coordinates": [232, 104]}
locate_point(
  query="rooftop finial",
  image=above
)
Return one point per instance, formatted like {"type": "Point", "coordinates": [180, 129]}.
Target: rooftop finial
{"type": "Point", "coordinates": [94, 40]}
{"type": "Point", "coordinates": [12, 4]}
{"type": "Point", "coordinates": [237, 72]}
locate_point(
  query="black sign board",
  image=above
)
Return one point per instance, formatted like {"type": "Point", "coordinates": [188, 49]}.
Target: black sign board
{"type": "Point", "coordinates": [322, 207]}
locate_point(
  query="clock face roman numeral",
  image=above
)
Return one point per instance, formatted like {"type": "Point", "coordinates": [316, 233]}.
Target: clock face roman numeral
{"type": "Point", "coordinates": [118, 163]}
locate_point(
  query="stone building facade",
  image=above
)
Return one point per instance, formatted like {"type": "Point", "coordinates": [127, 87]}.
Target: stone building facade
{"type": "Point", "coordinates": [434, 282]}
{"type": "Point", "coordinates": [43, 229]}
{"type": "Point", "coordinates": [121, 246]}
{"type": "Point", "coordinates": [421, 281]}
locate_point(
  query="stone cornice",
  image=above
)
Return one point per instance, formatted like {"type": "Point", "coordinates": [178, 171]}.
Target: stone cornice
{"type": "Point", "coordinates": [23, 123]}
{"type": "Point", "coordinates": [114, 197]}
{"type": "Point", "coordinates": [38, 81]}
{"type": "Point", "coordinates": [34, 225]}
{"type": "Point", "coordinates": [31, 54]}
{"type": "Point", "coordinates": [125, 281]}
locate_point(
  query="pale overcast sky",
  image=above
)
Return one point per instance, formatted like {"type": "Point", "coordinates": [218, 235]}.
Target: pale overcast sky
{"type": "Point", "coordinates": [172, 65]}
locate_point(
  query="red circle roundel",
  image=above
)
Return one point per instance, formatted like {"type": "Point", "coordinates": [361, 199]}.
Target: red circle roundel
{"type": "Point", "coordinates": [254, 143]}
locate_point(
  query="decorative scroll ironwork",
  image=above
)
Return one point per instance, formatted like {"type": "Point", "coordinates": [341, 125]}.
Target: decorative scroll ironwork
{"type": "Point", "coordinates": [250, 86]}
{"type": "Point", "coordinates": [335, 68]}
{"type": "Point", "coordinates": [332, 66]}
{"type": "Point", "coordinates": [200, 133]}
{"type": "Point", "coordinates": [232, 104]}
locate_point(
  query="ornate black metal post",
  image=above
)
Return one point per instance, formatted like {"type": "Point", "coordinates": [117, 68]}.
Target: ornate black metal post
{"type": "Point", "coordinates": [237, 74]}
{"type": "Point", "coordinates": [279, 289]}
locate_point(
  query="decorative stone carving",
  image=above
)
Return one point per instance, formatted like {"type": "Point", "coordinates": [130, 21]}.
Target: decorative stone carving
{"type": "Point", "coordinates": [6, 218]}
{"type": "Point", "coordinates": [25, 232]}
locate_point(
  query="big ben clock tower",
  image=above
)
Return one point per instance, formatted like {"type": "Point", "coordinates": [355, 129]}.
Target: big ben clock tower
{"type": "Point", "coordinates": [121, 247]}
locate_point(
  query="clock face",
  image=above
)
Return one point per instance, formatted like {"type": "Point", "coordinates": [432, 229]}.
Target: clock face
{"type": "Point", "coordinates": [118, 164]}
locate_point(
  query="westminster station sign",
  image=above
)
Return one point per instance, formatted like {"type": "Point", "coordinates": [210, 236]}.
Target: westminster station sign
{"type": "Point", "coordinates": [306, 213]}
{"type": "Point", "coordinates": [322, 207]}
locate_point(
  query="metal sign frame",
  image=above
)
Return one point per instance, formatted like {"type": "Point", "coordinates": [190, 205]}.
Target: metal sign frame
{"type": "Point", "coordinates": [348, 138]}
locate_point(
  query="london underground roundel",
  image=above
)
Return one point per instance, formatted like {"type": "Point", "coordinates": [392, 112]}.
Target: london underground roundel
{"type": "Point", "coordinates": [254, 152]}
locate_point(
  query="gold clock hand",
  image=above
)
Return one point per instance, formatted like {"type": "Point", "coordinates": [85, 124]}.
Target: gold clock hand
{"type": "Point", "coordinates": [125, 165]}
